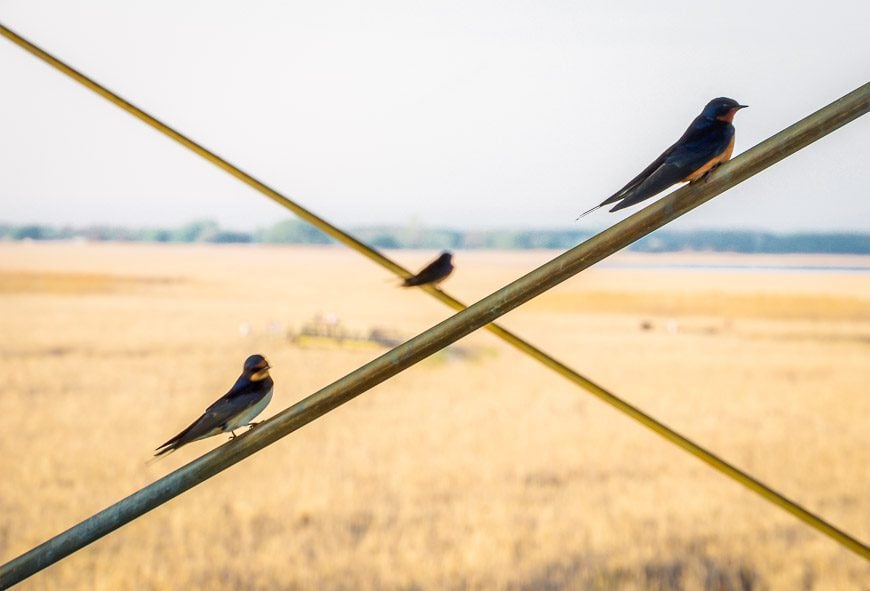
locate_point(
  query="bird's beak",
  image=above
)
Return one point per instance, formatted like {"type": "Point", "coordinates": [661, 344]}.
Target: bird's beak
{"type": "Point", "coordinates": [742, 106]}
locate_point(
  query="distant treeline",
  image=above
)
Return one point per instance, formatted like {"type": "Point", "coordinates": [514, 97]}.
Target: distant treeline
{"type": "Point", "coordinates": [386, 237]}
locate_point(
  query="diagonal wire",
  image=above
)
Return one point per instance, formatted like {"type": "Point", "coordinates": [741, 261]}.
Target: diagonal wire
{"type": "Point", "coordinates": [799, 135]}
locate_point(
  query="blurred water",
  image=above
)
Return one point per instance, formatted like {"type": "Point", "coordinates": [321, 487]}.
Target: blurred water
{"type": "Point", "coordinates": [785, 266]}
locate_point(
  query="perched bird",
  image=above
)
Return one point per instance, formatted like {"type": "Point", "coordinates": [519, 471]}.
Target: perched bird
{"type": "Point", "coordinates": [707, 143]}
{"type": "Point", "coordinates": [235, 409]}
{"type": "Point", "coordinates": [434, 273]}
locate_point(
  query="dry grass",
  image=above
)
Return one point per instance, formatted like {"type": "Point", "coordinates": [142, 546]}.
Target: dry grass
{"type": "Point", "coordinates": [474, 473]}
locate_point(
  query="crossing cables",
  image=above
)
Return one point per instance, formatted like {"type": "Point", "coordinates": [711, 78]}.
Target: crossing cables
{"type": "Point", "coordinates": [479, 315]}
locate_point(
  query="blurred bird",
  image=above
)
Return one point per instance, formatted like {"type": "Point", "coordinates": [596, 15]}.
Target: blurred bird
{"type": "Point", "coordinates": [235, 409]}
{"type": "Point", "coordinates": [433, 273]}
{"type": "Point", "coordinates": [707, 143]}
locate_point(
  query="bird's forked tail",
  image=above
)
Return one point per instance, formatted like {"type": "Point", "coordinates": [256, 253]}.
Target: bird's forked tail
{"type": "Point", "coordinates": [588, 211]}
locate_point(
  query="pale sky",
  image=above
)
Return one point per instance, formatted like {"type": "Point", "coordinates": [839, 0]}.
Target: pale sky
{"type": "Point", "coordinates": [469, 114]}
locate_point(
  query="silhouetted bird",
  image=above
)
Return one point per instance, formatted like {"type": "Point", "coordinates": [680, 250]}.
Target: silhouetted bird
{"type": "Point", "coordinates": [707, 143]}
{"type": "Point", "coordinates": [433, 273]}
{"type": "Point", "coordinates": [235, 409]}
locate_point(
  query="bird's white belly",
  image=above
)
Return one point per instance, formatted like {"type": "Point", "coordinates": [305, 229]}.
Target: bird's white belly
{"type": "Point", "coordinates": [248, 415]}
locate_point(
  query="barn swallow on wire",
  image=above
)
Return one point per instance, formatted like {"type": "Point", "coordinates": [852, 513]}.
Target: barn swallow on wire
{"type": "Point", "coordinates": [235, 409]}
{"type": "Point", "coordinates": [707, 143]}
{"type": "Point", "coordinates": [433, 273]}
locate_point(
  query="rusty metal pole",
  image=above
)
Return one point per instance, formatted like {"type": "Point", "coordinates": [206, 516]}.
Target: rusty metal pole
{"type": "Point", "coordinates": [619, 236]}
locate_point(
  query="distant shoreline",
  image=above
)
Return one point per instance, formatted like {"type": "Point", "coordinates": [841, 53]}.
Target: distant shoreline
{"type": "Point", "coordinates": [739, 261]}
{"type": "Point", "coordinates": [412, 237]}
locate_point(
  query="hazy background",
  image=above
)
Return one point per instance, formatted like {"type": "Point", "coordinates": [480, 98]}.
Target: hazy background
{"type": "Point", "coordinates": [482, 115]}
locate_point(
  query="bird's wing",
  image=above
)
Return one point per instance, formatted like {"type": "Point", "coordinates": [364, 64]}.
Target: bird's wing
{"type": "Point", "coordinates": [698, 148]}
{"type": "Point", "coordinates": [242, 395]}
{"type": "Point", "coordinates": [695, 149]}
{"type": "Point", "coordinates": [215, 416]}
{"type": "Point", "coordinates": [633, 183]}
{"type": "Point", "coordinates": [208, 424]}
{"type": "Point", "coordinates": [663, 177]}
{"type": "Point", "coordinates": [430, 273]}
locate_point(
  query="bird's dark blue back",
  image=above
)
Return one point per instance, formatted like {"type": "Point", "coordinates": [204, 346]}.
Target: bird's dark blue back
{"type": "Point", "coordinates": [703, 139]}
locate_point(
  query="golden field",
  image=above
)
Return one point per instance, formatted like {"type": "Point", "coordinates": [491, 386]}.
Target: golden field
{"type": "Point", "coordinates": [475, 470]}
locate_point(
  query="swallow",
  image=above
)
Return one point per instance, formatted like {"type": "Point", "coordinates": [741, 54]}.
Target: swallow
{"type": "Point", "coordinates": [246, 399]}
{"type": "Point", "coordinates": [433, 273]}
{"type": "Point", "coordinates": [707, 143]}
